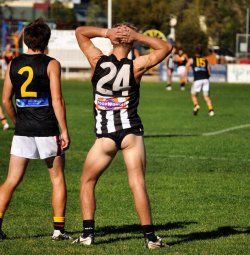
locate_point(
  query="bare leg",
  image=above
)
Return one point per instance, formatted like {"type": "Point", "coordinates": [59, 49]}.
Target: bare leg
{"type": "Point", "coordinates": [98, 159]}
{"type": "Point", "coordinates": [134, 155]}
{"type": "Point", "coordinates": [3, 120]}
{"type": "Point", "coordinates": [59, 193]}
{"type": "Point", "coordinates": [17, 167]}
{"type": "Point", "coordinates": [194, 99]}
{"type": "Point", "coordinates": [208, 102]}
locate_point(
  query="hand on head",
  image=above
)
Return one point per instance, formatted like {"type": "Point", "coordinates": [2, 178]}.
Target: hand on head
{"type": "Point", "coordinates": [121, 35]}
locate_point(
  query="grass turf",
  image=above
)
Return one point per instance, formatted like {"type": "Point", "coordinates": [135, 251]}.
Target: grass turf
{"type": "Point", "coordinates": [198, 184]}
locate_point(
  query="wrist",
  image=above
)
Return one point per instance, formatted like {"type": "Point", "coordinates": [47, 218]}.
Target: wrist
{"type": "Point", "coordinates": [105, 33]}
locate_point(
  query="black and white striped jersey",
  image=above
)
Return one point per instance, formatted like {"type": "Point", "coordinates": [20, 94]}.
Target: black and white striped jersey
{"type": "Point", "coordinates": [116, 95]}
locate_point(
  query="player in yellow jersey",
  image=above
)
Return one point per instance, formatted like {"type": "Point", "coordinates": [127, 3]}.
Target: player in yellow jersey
{"type": "Point", "coordinates": [181, 59]}
{"type": "Point", "coordinates": [201, 72]}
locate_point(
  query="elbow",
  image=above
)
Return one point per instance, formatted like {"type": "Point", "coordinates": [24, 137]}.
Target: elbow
{"type": "Point", "coordinates": [57, 102]}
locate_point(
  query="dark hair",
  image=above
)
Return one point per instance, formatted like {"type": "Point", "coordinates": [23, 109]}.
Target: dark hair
{"type": "Point", "coordinates": [198, 50]}
{"type": "Point", "coordinates": [37, 35]}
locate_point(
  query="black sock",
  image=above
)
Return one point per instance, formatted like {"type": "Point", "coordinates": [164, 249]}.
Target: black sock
{"type": "Point", "coordinates": [59, 223]}
{"type": "Point", "coordinates": [1, 221]}
{"type": "Point", "coordinates": [149, 233]}
{"type": "Point", "coordinates": [88, 227]}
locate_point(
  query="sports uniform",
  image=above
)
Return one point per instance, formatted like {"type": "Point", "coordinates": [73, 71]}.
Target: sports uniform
{"type": "Point", "coordinates": [181, 60]}
{"type": "Point", "coordinates": [116, 85]}
{"type": "Point", "coordinates": [34, 80]}
{"type": "Point", "coordinates": [35, 114]}
{"type": "Point", "coordinates": [201, 75]}
{"type": "Point", "coordinates": [116, 98]}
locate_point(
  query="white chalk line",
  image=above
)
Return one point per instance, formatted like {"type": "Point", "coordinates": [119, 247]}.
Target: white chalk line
{"type": "Point", "coordinates": [226, 130]}
{"type": "Point", "coordinates": [200, 158]}
{"type": "Point", "coordinates": [211, 158]}
{"type": "Point", "coordinates": [202, 134]}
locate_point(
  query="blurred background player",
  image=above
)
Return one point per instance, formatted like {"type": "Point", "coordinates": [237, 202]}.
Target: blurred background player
{"type": "Point", "coordinates": [180, 60]}
{"type": "Point", "coordinates": [34, 79]}
{"type": "Point", "coordinates": [3, 120]}
{"type": "Point", "coordinates": [170, 69]}
{"type": "Point", "coordinates": [201, 72]}
{"type": "Point", "coordinates": [116, 83]}
{"type": "Point", "coordinates": [7, 56]}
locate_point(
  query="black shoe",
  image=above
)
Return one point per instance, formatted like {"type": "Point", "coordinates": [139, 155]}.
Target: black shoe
{"type": "Point", "coordinates": [2, 235]}
{"type": "Point", "coordinates": [196, 110]}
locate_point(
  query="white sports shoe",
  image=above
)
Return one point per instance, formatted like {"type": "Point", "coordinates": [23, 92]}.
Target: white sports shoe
{"type": "Point", "coordinates": [58, 235]}
{"type": "Point", "coordinates": [6, 126]}
{"type": "Point", "coordinates": [84, 241]}
{"type": "Point", "coordinates": [154, 245]}
{"type": "Point", "coordinates": [211, 113]}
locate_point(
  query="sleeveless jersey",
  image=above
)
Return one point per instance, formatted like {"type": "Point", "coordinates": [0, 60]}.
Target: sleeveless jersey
{"type": "Point", "coordinates": [116, 95]}
{"type": "Point", "coordinates": [181, 60]}
{"type": "Point", "coordinates": [31, 86]}
{"type": "Point", "coordinates": [200, 68]}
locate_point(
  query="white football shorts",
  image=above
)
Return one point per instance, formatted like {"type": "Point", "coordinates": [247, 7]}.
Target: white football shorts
{"type": "Point", "coordinates": [181, 70]}
{"type": "Point", "coordinates": [199, 85]}
{"type": "Point", "coordinates": [36, 147]}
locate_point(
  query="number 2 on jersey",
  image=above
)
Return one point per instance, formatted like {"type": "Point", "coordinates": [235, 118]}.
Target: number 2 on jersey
{"type": "Point", "coordinates": [24, 92]}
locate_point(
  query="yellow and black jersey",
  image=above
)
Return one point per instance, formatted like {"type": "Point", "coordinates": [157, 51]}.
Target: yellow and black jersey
{"type": "Point", "coordinates": [181, 59]}
{"type": "Point", "coordinates": [200, 68]}
{"type": "Point", "coordinates": [31, 87]}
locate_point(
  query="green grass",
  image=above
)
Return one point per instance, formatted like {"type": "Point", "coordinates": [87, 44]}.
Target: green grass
{"type": "Point", "coordinates": [198, 185]}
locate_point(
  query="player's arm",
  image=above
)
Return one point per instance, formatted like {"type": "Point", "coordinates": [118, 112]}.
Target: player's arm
{"type": "Point", "coordinates": [7, 97]}
{"type": "Point", "coordinates": [84, 35]}
{"type": "Point", "coordinates": [208, 69]}
{"type": "Point", "coordinates": [143, 63]}
{"type": "Point", "coordinates": [54, 73]}
{"type": "Point", "coordinates": [189, 63]}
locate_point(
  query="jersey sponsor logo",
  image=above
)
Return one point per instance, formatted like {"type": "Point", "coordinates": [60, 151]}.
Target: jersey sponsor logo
{"type": "Point", "coordinates": [32, 102]}
{"type": "Point", "coordinates": [200, 69]}
{"type": "Point", "coordinates": [112, 103]}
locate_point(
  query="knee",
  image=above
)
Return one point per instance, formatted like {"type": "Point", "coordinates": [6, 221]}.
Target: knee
{"type": "Point", "coordinates": [9, 185]}
{"type": "Point", "coordinates": [87, 182]}
{"type": "Point", "coordinates": [137, 184]}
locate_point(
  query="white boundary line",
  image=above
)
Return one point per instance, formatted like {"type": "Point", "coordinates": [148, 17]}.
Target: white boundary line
{"type": "Point", "coordinates": [201, 158]}
{"type": "Point", "coordinates": [226, 130]}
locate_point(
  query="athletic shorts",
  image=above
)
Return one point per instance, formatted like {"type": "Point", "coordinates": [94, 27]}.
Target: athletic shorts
{"type": "Point", "coordinates": [181, 70]}
{"type": "Point", "coordinates": [36, 147]}
{"type": "Point", "coordinates": [199, 85]}
{"type": "Point", "coordinates": [118, 136]}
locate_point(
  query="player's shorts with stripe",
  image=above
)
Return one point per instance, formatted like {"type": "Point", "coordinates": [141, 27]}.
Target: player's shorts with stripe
{"type": "Point", "coordinates": [200, 85]}
{"type": "Point", "coordinates": [36, 147]}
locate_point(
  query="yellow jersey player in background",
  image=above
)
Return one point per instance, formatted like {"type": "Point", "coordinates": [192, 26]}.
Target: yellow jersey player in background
{"type": "Point", "coordinates": [180, 60]}
{"type": "Point", "coordinates": [201, 72]}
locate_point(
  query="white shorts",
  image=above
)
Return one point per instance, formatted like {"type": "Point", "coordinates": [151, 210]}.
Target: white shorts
{"type": "Point", "coordinates": [36, 147]}
{"type": "Point", "coordinates": [200, 85]}
{"type": "Point", "coordinates": [181, 70]}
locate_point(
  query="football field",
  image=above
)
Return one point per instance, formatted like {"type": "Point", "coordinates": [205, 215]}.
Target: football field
{"type": "Point", "coordinates": [198, 177]}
